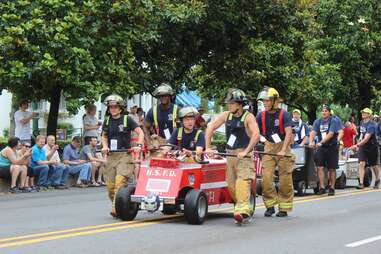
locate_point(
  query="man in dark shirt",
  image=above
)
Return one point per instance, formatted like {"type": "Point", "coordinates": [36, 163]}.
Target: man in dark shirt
{"type": "Point", "coordinates": [367, 146]}
{"type": "Point", "coordinates": [161, 119]}
{"type": "Point", "coordinates": [327, 130]}
{"type": "Point", "coordinates": [116, 135]}
{"type": "Point", "coordinates": [188, 137]}
{"type": "Point", "coordinates": [275, 125]}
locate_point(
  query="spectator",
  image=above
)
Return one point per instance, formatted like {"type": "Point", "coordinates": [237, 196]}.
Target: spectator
{"type": "Point", "coordinates": [349, 137]}
{"type": "Point", "coordinates": [13, 166]}
{"type": "Point", "coordinates": [89, 153]}
{"type": "Point", "coordinates": [25, 148]}
{"type": "Point", "coordinates": [200, 121]}
{"type": "Point", "coordinates": [134, 113]}
{"type": "Point", "coordinates": [141, 115]}
{"type": "Point", "coordinates": [60, 170]}
{"type": "Point", "coordinates": [90, 123]}
{"type": "Point", "coordinates": [22, 122]}
{"type": "Point", "coordinates": [72, 158]}
{"type": "Point", "coordinates": [40, 165]}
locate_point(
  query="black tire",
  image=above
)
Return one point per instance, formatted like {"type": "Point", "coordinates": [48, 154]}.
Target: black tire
{"type": "Point", "coordinates": [125, 209]}
{"type": "Point", "coordinates": [341, 182]}
{"type": "Point", "coordinates": [316, 190]}
{"type": "Point", "coordinates": [169, 210]}
{"type": "Point", "coordinates": [195, 207]}
{"type": "Point", "coordinates": [302, 186]}
{"type": "Point", "coordinates": [259, 187]}
{"type": "Point", "coordinates": [367, 177]}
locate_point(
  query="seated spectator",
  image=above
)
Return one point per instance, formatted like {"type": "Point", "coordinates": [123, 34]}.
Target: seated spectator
{"type": "Point", "coordinates": [90, 123]}
{"type": "Point", "coordinates": [11, 166]}
{"type": "Point", "coordinates": [40, 165]}
{"type": "Point", "coordinates": [59, 170]}
{"type": "Point", "coordinates": [72, 158]}
{"type": "Point", "coordinates": [89, 153]}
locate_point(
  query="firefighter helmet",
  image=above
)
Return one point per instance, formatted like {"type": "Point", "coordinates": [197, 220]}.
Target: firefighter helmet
{"type": "Point", "coordinates": [163, 90]}
{"type": "Point", "coordinates": [187, 111]}
{"type": "Point", "coordinates": [114, 99]}
{"type": "Point", "coordinates": [236, 95]}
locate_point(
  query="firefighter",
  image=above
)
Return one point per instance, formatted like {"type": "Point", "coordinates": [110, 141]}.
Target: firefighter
{"type": "Point", "coordinates": [242, 135]}
{"type": "Point", "coordinates": [116, 135]}
{"type": "Point", "coordinates": [188, 137]}
{"type": "Point", "coordinates": [367, 146]}
{"type": "Point", "coordinates": [275, 125]}
{"type": "Point", "coordinates": [161, 119]}
{"type": "Point", "coordinates": [327, 129]}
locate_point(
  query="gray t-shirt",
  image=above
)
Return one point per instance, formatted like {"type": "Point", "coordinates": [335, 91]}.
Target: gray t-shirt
{"type": "Point", "coordinates": [92, 121]}
{"type": "Point", "coordinates": [86, 150]}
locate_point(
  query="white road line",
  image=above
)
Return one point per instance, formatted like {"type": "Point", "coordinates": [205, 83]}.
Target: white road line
{"type": "Point", "coordinates": [362, 242]}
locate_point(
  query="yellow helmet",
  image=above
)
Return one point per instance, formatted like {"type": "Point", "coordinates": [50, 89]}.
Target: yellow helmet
{"type": "Point", "coordinates": [268, 93]}
{"type": "Point", "coordinates": [367, 111]}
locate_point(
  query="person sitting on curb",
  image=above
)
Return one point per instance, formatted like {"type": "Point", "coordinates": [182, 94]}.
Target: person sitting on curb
{"type": "Point", "coordinates": [40, 165]}
{"type": "Point", "coordinates": [89, 153]}
{"type": "Point", "coordinates": [72, 158]}
{"type": "Point", "coordinates": [10, 165]}
{"type": "Point", "coordinates": [60, 170]}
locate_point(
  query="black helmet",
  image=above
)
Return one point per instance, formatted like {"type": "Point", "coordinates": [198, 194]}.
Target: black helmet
{"type": "Point", "coordinates": [236, 95]}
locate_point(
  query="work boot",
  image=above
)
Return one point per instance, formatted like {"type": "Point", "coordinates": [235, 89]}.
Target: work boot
{"type": "Point", "coordinates": [322, 191]}
{"type": "Point", "coordinates": [281, 214]}
{"type": "Point", "coordinates": [376, 184]}
{"type": "Point", "coordinates": [269, 212]}
{"type": "Point", "coordinates": [242, 218]}
{"type": "Point", "coordinates": [360, 187]}
{"type": "Point", "coordinates": [331, 192]}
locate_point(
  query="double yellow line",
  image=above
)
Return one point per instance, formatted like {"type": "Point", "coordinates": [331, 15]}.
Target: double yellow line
{"type": "Point", "coordinates": [96, 229]}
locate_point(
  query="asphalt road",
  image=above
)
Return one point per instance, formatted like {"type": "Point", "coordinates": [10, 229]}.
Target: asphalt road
{"type": "Point", "coordinates": [77, 221]}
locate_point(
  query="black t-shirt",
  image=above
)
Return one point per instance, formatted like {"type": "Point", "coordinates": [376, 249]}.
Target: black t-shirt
{"type": "Point", "coordinates": [188, 139]}
{"type": "Point", "coordinates": [115, 129]}
{"type": "Point", "coordinates": [273, 125]}
{"type": "Point", "coordinates": [164, 118]}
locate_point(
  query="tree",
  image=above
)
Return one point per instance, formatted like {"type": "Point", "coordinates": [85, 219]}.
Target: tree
{"type": "Point", "coordinates": [81, 49]}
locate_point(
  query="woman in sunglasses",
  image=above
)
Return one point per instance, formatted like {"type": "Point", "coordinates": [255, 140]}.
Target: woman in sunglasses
{"type": "Point", "coordinates": [12, 166]}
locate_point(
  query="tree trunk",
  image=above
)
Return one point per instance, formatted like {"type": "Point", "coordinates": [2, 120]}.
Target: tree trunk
{"type": "Point", "coordinates": [365, 93]}
{"type": "Point", "coordinates": [55, 98]}
{"type": "Point", "coordinates": [311, 113]}
{"type": "Point", "coordinates": [14, 108]}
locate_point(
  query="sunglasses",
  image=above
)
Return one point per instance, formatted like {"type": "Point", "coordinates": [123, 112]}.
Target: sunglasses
{"type": "Point", "coordinates": [27, 146]}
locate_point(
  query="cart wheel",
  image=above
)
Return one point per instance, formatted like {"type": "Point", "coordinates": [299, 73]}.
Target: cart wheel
{"type": "Point", "coordinates": [301, 188]}
{"type": "Point", "coordinates": [125, 209]}
{"type": "Point", "coordinates": [341, 182]}
{"type": "Point", "coordinates": [259, 187]}
{"type": "Point", "coordinates": [195, 207]}
{"type": "Point", "coordinates": [169, 210]}
{"type": "Point", "coordinates": [367, 177]}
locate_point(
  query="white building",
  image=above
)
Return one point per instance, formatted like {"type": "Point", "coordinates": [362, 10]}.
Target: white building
{"type": "Point", "coordinates": [144, 101]}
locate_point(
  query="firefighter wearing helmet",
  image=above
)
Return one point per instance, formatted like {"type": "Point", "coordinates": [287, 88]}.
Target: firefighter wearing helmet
{"type": "Point", "coordinates": [187, 137]}
{"type": "Point", "coordinates": [275, 125]}
{"type": "Point", "coordinates": [161, 119]}
{"type": "Point", "coordinates": [116, 135]}
{"type": "Point", "coordinates": [242, 135]}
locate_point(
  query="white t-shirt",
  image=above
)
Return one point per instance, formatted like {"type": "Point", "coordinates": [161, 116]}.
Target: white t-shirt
{"type": "Point", "coordinates": [22, 131]}
{"type": "Point", "coordinates": [55, 157]}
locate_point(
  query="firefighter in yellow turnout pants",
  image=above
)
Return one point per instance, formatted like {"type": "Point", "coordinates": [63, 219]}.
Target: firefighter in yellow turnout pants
{"type": "Point", "coordinates": [161, 119]}
{"type": "Point", "coordinates": [275, 125]}
{"type": "Point", "coordinates": [242, 135]}
{"type": "Point", "coordinates": [116, 135]}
